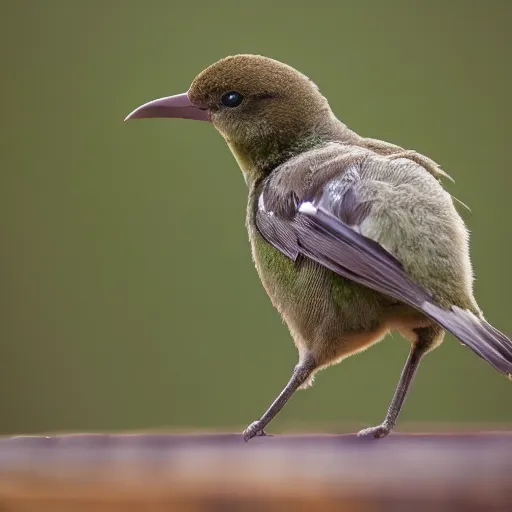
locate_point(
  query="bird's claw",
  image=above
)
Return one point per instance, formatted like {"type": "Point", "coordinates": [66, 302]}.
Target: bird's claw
{"type": "Point", "coordinates": [255, 429]}
{"type": "Point", "coordinates": [375, 432]}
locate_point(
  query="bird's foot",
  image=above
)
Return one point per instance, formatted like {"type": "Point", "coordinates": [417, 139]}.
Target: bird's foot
{"type": "Point", "coordinates": [375, 432]}
{"type": "Point", "coordinates": [255, 429]}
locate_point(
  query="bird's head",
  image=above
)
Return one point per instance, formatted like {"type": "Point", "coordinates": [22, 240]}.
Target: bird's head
{"type": "Point", "coordinates": [263, 108]}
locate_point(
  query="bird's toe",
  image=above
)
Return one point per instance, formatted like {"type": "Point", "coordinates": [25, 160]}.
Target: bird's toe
{"type": "Point", "coordinates": [375, 432]}
{"type": "Point", "coordinates": [253, 430]}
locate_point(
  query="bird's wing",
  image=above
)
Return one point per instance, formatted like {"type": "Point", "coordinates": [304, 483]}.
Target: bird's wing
{"type": "Point", "coordinates": [325, 223]}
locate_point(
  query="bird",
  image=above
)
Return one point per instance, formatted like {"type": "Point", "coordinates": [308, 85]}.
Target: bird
{"type": "Point", "coordinates": [352, 237]}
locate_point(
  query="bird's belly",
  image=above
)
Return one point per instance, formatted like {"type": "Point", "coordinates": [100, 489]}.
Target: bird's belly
{"type": "Point", "coordinates": [319, 307]}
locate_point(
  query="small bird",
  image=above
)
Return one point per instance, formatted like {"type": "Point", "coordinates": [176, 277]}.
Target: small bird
{"type": "Point", "coordinates": [352, 237]}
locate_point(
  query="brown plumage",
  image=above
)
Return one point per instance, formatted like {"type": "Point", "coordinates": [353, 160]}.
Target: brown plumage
{"type": "Point", "coordinates": [352, 237]}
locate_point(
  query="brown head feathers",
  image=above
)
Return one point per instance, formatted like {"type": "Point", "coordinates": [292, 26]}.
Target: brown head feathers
{"type": "Point", "coordinates": [266, 110]}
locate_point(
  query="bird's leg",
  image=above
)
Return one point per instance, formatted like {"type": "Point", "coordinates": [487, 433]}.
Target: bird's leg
{"type": "Point", "coordinates": [300, 374]}
{"type": "Point", "coordinates": [426, 338]}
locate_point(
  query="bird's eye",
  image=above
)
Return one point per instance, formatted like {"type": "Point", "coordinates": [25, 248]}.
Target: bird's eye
{"type": "Point", "coordinates": [231, 99]}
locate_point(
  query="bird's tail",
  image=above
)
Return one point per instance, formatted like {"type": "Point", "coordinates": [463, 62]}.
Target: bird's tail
{"type": "Point", "coordinates": [480, 336]}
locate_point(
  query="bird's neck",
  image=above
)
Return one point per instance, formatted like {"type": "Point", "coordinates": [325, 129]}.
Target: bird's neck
{"type": "Point", "coordinates": [258, 158]}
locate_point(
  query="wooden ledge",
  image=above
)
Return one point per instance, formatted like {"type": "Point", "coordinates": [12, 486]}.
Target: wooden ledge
{"type": "Point", "coordinates": [470, 471]}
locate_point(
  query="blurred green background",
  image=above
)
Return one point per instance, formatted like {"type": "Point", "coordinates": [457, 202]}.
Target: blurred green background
{"type": "Point", "coordinates": [129, 299]}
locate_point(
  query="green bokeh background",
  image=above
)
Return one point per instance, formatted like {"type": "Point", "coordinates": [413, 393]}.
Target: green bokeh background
{"type": "Point", "coordinates": [129, 299]}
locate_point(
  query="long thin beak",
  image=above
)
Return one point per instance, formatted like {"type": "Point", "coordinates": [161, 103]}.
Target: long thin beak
{"type": "Point", "coordinates": [178, 106]}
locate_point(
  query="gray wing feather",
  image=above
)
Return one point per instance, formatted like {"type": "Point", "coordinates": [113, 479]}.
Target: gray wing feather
{"type": "Point", "coordinates": [330, 242]}
{"type": "Point", "coordinates": [322, 224]}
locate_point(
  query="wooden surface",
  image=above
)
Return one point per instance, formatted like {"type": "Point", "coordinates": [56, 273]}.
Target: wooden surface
{"type": "Point", "coordinates": [222, 473]}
